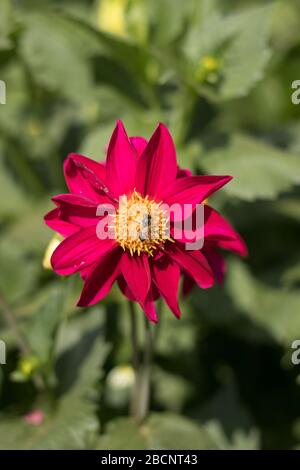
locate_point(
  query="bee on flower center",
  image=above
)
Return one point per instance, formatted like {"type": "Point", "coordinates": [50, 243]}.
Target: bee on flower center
{"type": "Point", "coordinates": [141, 224]}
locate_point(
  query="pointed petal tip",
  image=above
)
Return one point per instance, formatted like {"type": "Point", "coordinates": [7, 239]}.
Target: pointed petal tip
{"type": "Point", "coordinates": [153, 320]}
{"type": "Point", "coordinates": [120, 127]}
{"type": "Point", "coordinates": [228, 178]}
{"type": "Point", "coordinates": [162, 125]}
{"type": "Point", "coordinates": [244, 252]}
{"type": "Point", "coordinates": [163, 128]}
{"type": "Point", "coordinates": [69, 157]}
{"type": "Point", "coordinates": [83, 303]}
{"type": "Point", "coordinates": [223, 179]}
{"type": "Point", "coordinates": [80, 303]}
{"type": "Point", "coordinates": [157, 167]}
{"type": "Point", "coordinates": [177, 315]}
{"type": "Point", "coordinates": [119, 122]}
{"type": "Point", "coordinates": [121, 162]}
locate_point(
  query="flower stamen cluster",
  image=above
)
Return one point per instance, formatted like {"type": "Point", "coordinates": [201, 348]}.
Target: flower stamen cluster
{"type": "Point", "coordinates": [141, 225]}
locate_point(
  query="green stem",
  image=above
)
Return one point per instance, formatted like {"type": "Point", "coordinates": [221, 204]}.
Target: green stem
{"type": "Point", "coordinates": [146, 374]}
{"type": "Point", "coordinates": [140, 397]}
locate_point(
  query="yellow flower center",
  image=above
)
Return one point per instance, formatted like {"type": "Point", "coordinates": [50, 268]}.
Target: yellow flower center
{"type": "Point", "coordinates": [141, 224]}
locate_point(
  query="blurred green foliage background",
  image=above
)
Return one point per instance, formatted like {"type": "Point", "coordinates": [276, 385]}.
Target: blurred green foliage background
{"type": "Point", "coordinates": [219, 74]}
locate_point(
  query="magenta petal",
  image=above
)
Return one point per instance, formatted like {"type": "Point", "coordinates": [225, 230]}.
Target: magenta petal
{"type": "Point", "coordinates": [217, 228]}
{"type": "Point", "coordinates": [79, 251]}
{"type": "Point", "coordinates": [238, 246]}
{"type": "Point", "coordinates": [85, 176]}
{"type": "Point", "coordinates": [121, 162]}
{"type": "Point", "coordinates": [193, 189]}
{"type": "Point", "coordinates": [183, 172]}
{"type": "Point", "coordinates": [127, 292]}
{"type": "Point", "coordinates": [217, 263]}
{"type": "Point", "coordinates": [157, 166]}
{"type": "Point", "coordinates": [194, 264]}
{"type": "Point", "coordinates": [166, 277]}
{"type": "Point", "coordinates": [125, 289]}
{"type": "Point", "coordinates": [139, 144]}
{"type": "Point", "coordinates": [187, 285]}
{"type": "Point", "coordinates": [136, 272]}
{"type": "Point", "coordinates": [149, 308]}
{"type": "Point", "coordinates": [99, 282]}
{"type": "Point", "coordinates": [76, 200]}
{"type": "Point", "coordinates": [52, 219]}
{"type": "Point", "coordinates": [86, 272]}
{"type": "Point", "coordinates": [79, 210]}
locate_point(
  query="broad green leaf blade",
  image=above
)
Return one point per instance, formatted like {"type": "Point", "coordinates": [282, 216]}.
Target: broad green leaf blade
{"type": "Point", "coordinates": [18, 273]}
{"type": "Point", "coordinates": [228, 421]}
{"type": "Point", "coordinates": [12, 199]}
{"type": "Point", "coordinates": [122, 433]}
{"type": "Point", "coordinates": [55, 57]}
{"type": "Point", "coordinates": [171, 431]}
{"type": "Point", "coordinates": [42, 327]}
{"type": "Point", "coordinates": [239, 42]}
{"type": "Point", "coordinates": [162, 431]}
{"type": "Point", "coordinates": [247, 55]}
{"type": "Point", "coordinates": [260, 171]}
{"type": "Point", "coordinates": [274, 309]}
{"type": "Point", "coordinates": [73, 423]}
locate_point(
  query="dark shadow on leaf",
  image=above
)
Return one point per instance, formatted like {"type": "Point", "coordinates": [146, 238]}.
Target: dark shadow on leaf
{"type": "Point", "coordinates": [69, 363]}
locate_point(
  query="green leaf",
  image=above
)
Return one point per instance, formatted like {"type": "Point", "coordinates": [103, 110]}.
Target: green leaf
{"type": "Point", "coordinates": [171, 431]}
{"type": "Point", "coordinates": [168, 340]}
{"type": "Point", "coordinates": [12, 199]}
{"type": "Point", "coordinates": [291, 275]}
{"type": "Point", "coordinates": [41, 329]}
{"type": "Point", "coordinates": [240, 43]}
{"type": "Point", "coordinates": [6, 24]}
{"type": "Point", "coordinates": [168, 18]}
{"type": "Point", "coordinates": [161, 431]}
{"type": "Point", "coordinates": [18, 273]}
{"type": "Point", "coordinates": [259, 170]}
{"type": "Point", "coordinates": [273, 309]}
{"type": "Point", "coordinates": [55, 56]}
{"type": "Point", "coordinates": [77, 339]}
{"type": "Point", "coordinates": [171, 391]}
{"type": "Point", "coordinates": [240, 440]}
{"type": "Point", "coordinates": [73, 424]}
{"type": "Point", "coordinates": [133, 57]}
{"type": "Point", "coordinates": [247, 55]}
{"type": "Point", "coordinates": [20, 231]}
{"type": "Point", "coordinates": [124, 434]}
{"type": "Point", "coordinates": [227, 420]}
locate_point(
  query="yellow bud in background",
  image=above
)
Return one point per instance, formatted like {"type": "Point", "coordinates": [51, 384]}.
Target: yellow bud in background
{"type": "Point", "coordinates": [33, 128]}
{"type": "Point", "coordinates": [54, 242]}
{"type": "Point", "coordinates": [27, 365]}
{"type": "Point", "coordinates": [111, 16]}
{"type": "Point", "coordinates": [210, 63]}
{"type": "Point", "coordinates": [207, 69]}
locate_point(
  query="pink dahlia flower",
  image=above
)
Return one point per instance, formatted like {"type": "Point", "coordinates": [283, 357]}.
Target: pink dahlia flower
{"type": "Point", "coordinates": [145, 268]}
